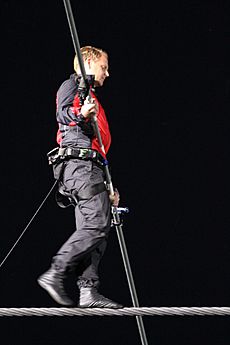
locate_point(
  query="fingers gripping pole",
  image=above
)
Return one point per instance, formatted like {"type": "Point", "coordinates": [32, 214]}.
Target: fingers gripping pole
{"type": "Point", "coordinates": [115, 213]}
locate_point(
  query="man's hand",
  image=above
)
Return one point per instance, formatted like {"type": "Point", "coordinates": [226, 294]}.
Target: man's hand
{"type": "Point", "coordinates": [89, 108]}
{"type": "Point", "coordinates": [115, 198]}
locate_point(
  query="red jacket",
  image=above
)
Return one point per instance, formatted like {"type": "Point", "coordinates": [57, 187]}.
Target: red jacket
{"type": "Point", "coordinates": [74, 130]}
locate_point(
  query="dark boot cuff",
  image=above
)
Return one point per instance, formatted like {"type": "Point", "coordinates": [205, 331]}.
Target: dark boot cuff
{"type": "Point", "coordinates": [84, 282]}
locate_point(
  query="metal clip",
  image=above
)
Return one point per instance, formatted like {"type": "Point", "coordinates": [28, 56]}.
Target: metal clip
{"type": "Point", "coordinates": [83, 153]}
{"type": "Point", "coordinates": [61, 151]}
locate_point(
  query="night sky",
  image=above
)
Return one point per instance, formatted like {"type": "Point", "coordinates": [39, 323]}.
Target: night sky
{"type": "Point", "coordinates": [168, 105]}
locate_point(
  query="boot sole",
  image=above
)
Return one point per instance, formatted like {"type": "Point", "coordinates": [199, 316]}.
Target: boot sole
{"type": "Point", "coordinates": [95, 305]}
{"type": "Point", "coordinates": [53, 293]}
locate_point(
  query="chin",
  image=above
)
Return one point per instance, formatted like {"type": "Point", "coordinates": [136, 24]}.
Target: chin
{"type": "Point", "coordinates": [97, 83]}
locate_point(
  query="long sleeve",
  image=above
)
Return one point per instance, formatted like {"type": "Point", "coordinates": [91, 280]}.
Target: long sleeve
{"type": "Point", "coordinates": [66, 113]}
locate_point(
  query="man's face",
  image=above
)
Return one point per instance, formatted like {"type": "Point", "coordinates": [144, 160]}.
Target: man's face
{"type": "Point", "coordinates": [100, 69]}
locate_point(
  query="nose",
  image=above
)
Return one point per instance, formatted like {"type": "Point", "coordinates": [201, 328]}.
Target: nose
{"type": "Point", "coordinates": [107, 74]}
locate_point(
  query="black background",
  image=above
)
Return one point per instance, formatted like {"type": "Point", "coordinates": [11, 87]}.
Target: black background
{"type": "Point", "coordinates": [167, 101]}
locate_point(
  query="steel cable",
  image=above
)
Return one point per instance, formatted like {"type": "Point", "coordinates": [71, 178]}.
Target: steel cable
{"type": "Point", "coordinates": [132, 311]}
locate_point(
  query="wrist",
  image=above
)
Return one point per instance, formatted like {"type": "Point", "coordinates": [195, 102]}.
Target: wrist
{"type": "Point", "coordinates": [81, 117]}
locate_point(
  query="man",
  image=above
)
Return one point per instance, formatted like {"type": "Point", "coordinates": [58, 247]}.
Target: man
{"type": "Point", "coordinates": [78, 166]}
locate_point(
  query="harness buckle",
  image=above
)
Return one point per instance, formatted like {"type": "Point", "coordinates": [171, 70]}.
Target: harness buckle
{"type": "Point", "coordinates": [66, 151]}
{"type": "Point", "coordinates": [53, 155]}
{"type": "Point", "coordinates": [84, 153]}
{"type": "Point", "coordinates": [62, 151]}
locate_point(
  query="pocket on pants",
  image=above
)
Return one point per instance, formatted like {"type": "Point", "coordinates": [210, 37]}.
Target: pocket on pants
{"type": "Point", "coordinates": [76, 173]}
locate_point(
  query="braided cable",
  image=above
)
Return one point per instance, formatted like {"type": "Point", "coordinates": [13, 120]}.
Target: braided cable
{"type": "Point", "coordinates": [132, 311]}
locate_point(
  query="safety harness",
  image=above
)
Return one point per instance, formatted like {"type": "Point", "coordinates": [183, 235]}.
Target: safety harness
{"type": "Point", "coordinates": [59, 155]}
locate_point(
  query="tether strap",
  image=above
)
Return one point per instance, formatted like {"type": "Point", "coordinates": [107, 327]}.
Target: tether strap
{"type": "Point", "coordinates": [90, 191]}
{"type": "Point", "coordinates": [65, 199]}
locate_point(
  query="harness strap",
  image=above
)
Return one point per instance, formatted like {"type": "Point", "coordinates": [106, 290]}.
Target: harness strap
{"type": "Point", "coordinates": [65, 199]}
{"type": "Point", "coordinates": [90, 191]}
{"type": "Point", "coordinates": [63, 153]}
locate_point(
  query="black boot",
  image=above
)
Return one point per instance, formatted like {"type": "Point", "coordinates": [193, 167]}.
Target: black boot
{"type": "Point", "coordinates": [52, 282]}
{"type": "Point", "coordinates": [90, 298]}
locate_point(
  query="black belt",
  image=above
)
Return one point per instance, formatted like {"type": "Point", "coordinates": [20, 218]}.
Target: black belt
{"type": "Point", "coordinates": [62, 153]}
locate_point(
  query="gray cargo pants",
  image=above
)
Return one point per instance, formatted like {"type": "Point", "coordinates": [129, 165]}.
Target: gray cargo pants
{"type": "Point", "coordinates": [84, 249]}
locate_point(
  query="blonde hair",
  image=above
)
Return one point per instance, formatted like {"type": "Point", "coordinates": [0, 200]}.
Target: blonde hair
{"type": "Point", "coordinates": [88, 52]}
